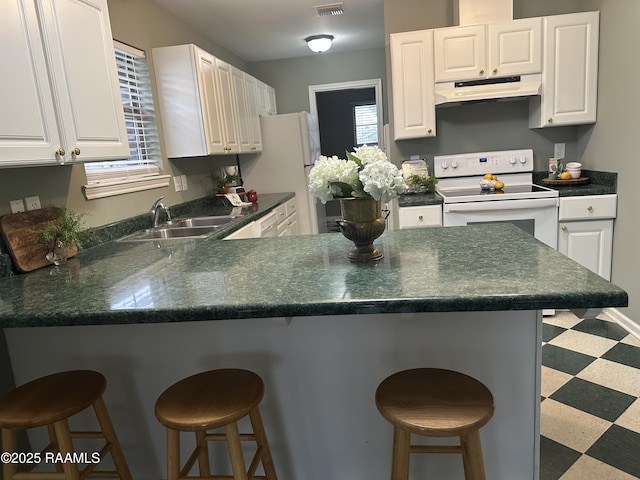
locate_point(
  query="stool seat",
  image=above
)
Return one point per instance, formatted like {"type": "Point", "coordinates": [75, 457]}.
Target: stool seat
{"type": "Point", "coordinates": [434, 402]}
{"type": "Point", "coordinates": [209, 400]}
{"type": "Point", "coordinates": [49, 399]}
{"type": "Point", "coordinates": [49, 402]}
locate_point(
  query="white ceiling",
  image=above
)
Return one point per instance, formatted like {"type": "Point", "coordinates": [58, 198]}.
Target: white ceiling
{"type": "Point", "coordinates": [257, 30]}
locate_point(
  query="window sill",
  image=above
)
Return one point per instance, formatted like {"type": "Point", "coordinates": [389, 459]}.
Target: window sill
{"type": "Point", "coordinates": [109, 189]}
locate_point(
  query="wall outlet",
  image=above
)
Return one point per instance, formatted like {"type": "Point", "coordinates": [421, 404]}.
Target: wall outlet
{"type": "Point", "coordinates": [558, 150]}
{"type": "Point", "coordinates": [185, 186]}
{"type": "Point", "coordinates": [177, 183]}
{"type": "Point", "coordinates": [32, 203]}
{"type": "Point", "coordinates": [16, 206]}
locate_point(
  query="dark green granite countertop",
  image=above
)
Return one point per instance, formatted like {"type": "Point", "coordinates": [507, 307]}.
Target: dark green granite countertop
{"type": "Point", "coordinates": [474, 268]}
{"type": "Point", "coordinates": [600, 183]}
{"type": "Point", "coordinates": [419, 199]}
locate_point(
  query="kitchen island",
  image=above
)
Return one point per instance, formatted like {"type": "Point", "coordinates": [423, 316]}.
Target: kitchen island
{"type": "Point", "coordinates": [322, 333]}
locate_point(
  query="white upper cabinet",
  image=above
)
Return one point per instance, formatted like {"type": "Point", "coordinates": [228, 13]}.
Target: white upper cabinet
{"type": "Point", "coordinates": [412, 77]}
{"type": "Point", "coordinates": [63, 104]}
{"type": "Point", "coordinates": [253, 103]}
{"type": "Point", "coordinates": [476, 52]}
{"type": "Point", "coordinates": [570, 73]}
{"type": "Point", "coordinates": [267, 99]}
{"type": "Point", "coordinates": [515, 48]}
{"type": "Point", "coordinates": [460, 53]}
{"type": "Point", "coordinates": [208, 106]}
{"type": "Point", "coordinates": [228, 107]}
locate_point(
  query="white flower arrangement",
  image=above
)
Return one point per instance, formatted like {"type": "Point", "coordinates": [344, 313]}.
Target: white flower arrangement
{"type": "Point", "coordinates": [365, 173]}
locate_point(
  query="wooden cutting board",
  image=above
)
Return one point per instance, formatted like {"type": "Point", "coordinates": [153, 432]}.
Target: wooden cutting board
{"type": "Point", "coordinates": [26, 252]}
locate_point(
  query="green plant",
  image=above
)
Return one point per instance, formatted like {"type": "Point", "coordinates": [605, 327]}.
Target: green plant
{"type": "Point", "coordinates": [222, 182]}
{"type": "Point", "coordinates": [66, 230]}
{"type": "Point", "coordinates": [420, 182]}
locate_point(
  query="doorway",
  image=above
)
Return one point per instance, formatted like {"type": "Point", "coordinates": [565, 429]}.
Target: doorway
{"type": "Point", "coordinates": [349, 114]}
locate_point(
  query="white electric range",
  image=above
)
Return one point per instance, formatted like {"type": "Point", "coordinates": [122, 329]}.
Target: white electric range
{"type": "Point", "coordinates": [532, 207]}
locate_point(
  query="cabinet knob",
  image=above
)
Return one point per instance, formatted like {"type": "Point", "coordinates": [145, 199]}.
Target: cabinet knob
{"type": "Point", "coordinates": [60, 152]}
{"type": "Point", "coordinates": [75, 152]}
{"type": "Point", "coordinates": [550, 120]}
{"type": "Point", "coordinates": [481, 72]}
{"type": "Point", "coordinates": [564, 228]}
{"type": "Point", "coordinates": [495, 71]}
{"type": "Point", "coordinates": [420, 217]}
{"type": "Point", "coordinates": [590, 208]}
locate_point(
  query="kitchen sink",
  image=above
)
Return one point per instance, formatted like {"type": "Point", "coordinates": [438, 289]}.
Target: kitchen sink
{"type": "Point", "coordinates": [211, 221]}
{"type": "Point", "coordinates": [165, 233]}
{"type": "Point", "coordinates": [195, 227]}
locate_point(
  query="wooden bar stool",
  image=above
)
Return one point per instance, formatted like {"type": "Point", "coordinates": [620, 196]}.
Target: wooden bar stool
{"type": "Point", "coordinates": [50, 401]}
{"type": "Point", "coordinates": [211, 400]}
{"type": "Point", "coordinates": [435, 403]}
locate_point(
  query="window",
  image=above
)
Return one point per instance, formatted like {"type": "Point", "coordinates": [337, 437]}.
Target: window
{"type": "Point", "coordinates": [365, 124]}
{"type": "Point", "coordinates": [142, 170]}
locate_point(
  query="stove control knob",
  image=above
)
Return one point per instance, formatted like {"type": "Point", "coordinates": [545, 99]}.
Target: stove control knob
{"type": "Point", "coordinates": [445, 165]}
{"type": "Point", "coordinates": [523, 160]}
{"type": "Point", "coordinates": [454, 164]}
{"type": "Point", "coordinates": [512, 160]}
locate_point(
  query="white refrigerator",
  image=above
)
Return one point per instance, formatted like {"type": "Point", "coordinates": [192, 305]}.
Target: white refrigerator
{"type": "Point", "coordinates": [290, 146]}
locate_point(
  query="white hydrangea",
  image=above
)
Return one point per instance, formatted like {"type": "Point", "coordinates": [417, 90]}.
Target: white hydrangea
{"type": "Point", "coordinates": [368, 154]}
{"type": "Point", "coordinates": [382, 180]}
{"type": "Point", "coordinates": [331, 169]}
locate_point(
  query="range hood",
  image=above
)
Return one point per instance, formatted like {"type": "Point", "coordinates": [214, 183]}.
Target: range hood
{"type": "Point", "coordinates": [504, 88]}
{"type": "Point", "coordinates": [473, 12]}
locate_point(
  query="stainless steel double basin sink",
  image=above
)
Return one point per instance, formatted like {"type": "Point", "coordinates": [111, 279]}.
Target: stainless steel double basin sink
{"type": "Point", "coordinates": [195, 227]}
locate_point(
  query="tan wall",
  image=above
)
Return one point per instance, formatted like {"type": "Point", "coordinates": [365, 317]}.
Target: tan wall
{"type": "Point", "coordinates": [612, 143]}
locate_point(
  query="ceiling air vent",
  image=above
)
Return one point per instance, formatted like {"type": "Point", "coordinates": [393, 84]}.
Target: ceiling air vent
{"type": "Point", "coordinates": [329, 9]}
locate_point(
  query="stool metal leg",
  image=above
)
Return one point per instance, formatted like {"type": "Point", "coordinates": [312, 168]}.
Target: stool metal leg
{"type": "Point", "coordinates": [472, 456]}
{"type": "Point", "coordinates": [401, 451]}
{"type": "Point", "coordinates": [235, 451]}
{"type": "Point", "coordinates": [261, 440]}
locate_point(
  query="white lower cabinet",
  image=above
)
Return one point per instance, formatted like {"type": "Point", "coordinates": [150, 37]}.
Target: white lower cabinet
{"type": "Point", "coordinates": [248, 231]}
{"type": "Point", "coordinates": [287, 218]}
{"type": "Point", "coordinates": [420, 216]}
{"type": "Point", "coordinates": [586, 231]}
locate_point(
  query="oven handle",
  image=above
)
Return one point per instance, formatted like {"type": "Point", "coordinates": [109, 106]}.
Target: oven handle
{"type": "Point", "coordinates": [524, 204]}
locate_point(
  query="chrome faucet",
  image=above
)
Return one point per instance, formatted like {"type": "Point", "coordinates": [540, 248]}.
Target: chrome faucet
{"type": "Point", "coordinates": [155, 212]}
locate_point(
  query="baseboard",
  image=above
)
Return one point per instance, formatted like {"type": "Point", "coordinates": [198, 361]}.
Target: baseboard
{"type": "Point", "coordinates": [625, 322]}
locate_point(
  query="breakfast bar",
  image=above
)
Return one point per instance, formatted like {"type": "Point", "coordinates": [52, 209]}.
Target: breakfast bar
{"type": "Point", "coordinates": [322, 332]}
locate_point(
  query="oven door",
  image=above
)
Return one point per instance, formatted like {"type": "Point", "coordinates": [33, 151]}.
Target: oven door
{"type": "Point", "coordinates": [537, 216]}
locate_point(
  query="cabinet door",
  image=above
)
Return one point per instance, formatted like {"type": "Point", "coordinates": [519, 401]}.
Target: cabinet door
{"type": "Point", "coordinates": [460, 53]}
{"type": "Point", "coordinates": [242, 109]}
{"type": "Point", "coordinates": [83, 68]}
{"type": "Point", "coordinates": [590, 243]}
{"type": "Point", "coordinates": [414, 113]}
{"type": "Point", "coordinates": [228, 106]}
{"type": "Point", "coordinates": [570, 73]}
{"type": "Point", "coordinates": [251, 86]}
{"type": "Point", "coordinates": [515, 48]}
{"type": "Point", "coordinates": [28, 127]}
{"type": "Point", "coordinates": [46, 43]}
{"type": "Point", "coordinates": [209, 116]}
{"type": "Point", "coordinates": [271, 100]}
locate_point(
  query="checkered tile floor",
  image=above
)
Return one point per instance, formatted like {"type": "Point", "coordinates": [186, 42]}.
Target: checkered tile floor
{"type": "Point", "coordinates": [590, 411]}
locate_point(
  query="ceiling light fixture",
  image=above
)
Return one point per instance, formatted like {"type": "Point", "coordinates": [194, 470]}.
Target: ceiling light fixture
{"type": "Point", "coordinates": [319, 43]}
